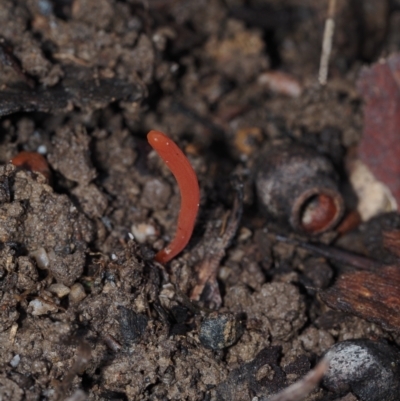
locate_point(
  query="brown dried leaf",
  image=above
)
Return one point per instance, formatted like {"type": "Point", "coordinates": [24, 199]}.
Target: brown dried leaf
{"type": "Point", "coordinates": [379, 148]}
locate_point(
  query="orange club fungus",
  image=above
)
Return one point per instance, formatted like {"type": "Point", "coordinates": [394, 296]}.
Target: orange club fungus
{"type": "Point", "coordinates": [184, 174]}
{"type": "Point", "coordinates": [32, 161]}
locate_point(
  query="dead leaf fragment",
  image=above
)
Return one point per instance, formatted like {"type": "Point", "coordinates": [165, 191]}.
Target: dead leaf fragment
{"type": "Point", "coordinates": [379, 148]}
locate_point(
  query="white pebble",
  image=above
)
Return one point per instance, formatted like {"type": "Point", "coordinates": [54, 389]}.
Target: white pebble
{"type": "Point", "coordinates": [42, 149]}
{"type": "Point", "coordinates": [38, 307]}
{"type": "Point", "coordinates": [15, 361]}
{"type": "Point", "coordinates": [59, 289]}
{"type": "Point", "coordinates": [41, 258]}
{"type": "Point", "coordinates": [142, 230]}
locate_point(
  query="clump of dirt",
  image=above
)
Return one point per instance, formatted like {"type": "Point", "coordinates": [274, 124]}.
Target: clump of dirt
{"type": "Point", "coordinates": [86, 313]}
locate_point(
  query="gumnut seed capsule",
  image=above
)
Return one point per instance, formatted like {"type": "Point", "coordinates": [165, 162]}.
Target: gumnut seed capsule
{"type": "Point", "coordinates": [296, 184]}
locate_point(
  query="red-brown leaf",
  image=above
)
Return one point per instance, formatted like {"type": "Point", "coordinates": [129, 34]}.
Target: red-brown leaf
{"type": "Point", "coordinates": [379, 148]}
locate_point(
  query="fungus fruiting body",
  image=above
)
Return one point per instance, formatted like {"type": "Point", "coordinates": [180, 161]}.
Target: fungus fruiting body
{"type": "Point", "coordinates": [189, 189]}
{"type": "Point", "coordinates": [32, 161]}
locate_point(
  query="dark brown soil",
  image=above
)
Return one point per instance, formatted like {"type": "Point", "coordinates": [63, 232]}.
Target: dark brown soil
{"type": "Point", "coordinates": [85, 313]}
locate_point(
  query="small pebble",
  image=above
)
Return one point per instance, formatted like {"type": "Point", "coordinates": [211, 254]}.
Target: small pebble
{"type": "Point", "coordinates": [59, 289]}
{"type": "Point", "coordinates": [38, 307]}
{"type": "Point", "coordinates": [368, 369]}
{"type": "Point", "coordinates": [220, 330]}
{"type": "Point", "coordinates": [42, 149]}
{"type": "Point", "coordinates": [15, 361]}
{"type": "Point", "coordinates": [41, 258]}
{"type": "Point", "coordinates": [109, 287]}
{"type": "Point", "coordinates": [77, 293]}
{"type": "Point", "coordinates": [142, 230]}
{"type": "Point", "coordinates": [244, 234]}
{"type": "Point", "coordinates": [168, 291]}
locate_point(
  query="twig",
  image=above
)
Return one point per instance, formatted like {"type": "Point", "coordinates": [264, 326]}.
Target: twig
{"type": "Point", "coordinates": [299, 390]}
{"type": "Point", "coordinates": [327, 43]}
{"type": "Point", "coordinates": [340, 255]}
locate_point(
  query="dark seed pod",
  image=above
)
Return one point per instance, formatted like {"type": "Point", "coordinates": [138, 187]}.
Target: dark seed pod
{"type": "Point", "coordinates": [296, 184]}
{"type": "Point", "coordinates": [368, 369]}
{"type": "Point", "coordinates": [221, 330]}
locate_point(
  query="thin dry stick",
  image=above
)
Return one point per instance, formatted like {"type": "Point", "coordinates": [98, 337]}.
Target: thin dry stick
{"type": "Point", "coordinates": [327, 43]}
{"type": "Point", "coordinates": [299, 390]}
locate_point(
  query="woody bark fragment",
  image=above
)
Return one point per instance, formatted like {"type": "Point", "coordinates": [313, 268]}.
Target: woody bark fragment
{"type": "Point", "coordinates": [207, 268]}
{"type": "Point", "coordinates": [374, 296]}
{"type": "Point", "coordinates": [371, 292]}
{"type": "Point", "coordinates": [379, 148]}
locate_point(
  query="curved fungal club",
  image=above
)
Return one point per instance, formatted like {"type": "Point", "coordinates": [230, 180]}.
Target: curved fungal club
{"type": "Point", "coordinates": [184, 174]}
{"type": "Point", "coordinates": [32, 161]}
